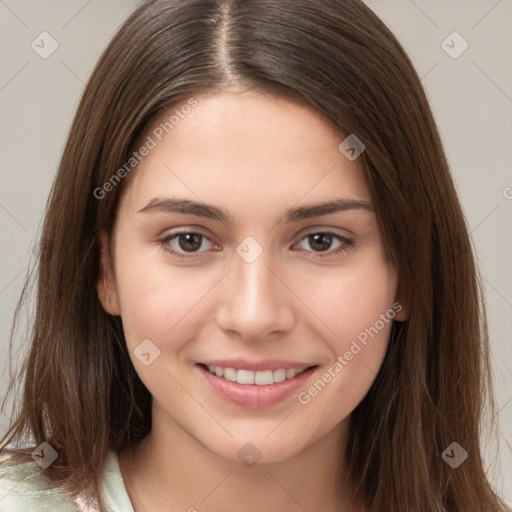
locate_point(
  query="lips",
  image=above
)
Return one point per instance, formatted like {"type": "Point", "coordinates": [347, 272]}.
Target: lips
{"type": "Point", "coordinates": [258, 366]}
{"type": "Point", "coordinates": [254, 395]}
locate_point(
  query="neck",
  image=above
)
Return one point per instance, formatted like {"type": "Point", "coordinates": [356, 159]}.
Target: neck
{"type": "Point", "coordinates": [169, 470]}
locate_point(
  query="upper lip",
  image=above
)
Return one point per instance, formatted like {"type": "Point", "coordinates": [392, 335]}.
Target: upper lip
{"type": "Point", "coordinates": [255, 366]}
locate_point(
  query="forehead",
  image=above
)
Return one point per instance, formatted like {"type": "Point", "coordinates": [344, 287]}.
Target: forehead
{"type": "Point", "coordinates": [245, 148]}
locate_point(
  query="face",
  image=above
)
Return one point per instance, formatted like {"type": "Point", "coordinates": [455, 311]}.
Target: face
{"type": "Point", "coordinates": [221, 257]}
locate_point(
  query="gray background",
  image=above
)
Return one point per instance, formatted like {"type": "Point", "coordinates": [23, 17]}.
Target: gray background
{"type": "Point", "coordinates": [471, 97]}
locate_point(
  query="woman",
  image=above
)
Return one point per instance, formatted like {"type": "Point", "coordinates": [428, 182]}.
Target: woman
{"type": "Point", "coordinates": [255, 279]}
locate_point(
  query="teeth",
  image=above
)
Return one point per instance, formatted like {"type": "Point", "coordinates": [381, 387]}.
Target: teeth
{"type": "Point", "coordinates": [245, 377]}
{"type": "Point", "coordinates": [279, 375]}
{"type": "Point", "coordinates": [248, 377]}
{"type": "Point", "coordinates": [230, 374]}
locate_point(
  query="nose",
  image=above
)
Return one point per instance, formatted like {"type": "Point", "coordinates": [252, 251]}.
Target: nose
{"type": "Point", "coordinates": [254, 301]}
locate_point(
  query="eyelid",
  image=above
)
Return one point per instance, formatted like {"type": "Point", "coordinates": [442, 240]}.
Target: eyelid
{"type": "Point", "coordinates": [325, 229]}
{"type": "Point", "coordinates": [345, 241]}
{"type": "Point", "coordinates": [184, 231]}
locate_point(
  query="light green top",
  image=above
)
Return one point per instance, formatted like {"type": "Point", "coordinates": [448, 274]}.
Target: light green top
{"type": "Point", "coordinates": [24, 489]}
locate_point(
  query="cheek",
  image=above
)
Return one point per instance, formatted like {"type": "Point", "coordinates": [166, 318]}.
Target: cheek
{"type": "Point", "coordinates": [354, 300]}
{"type": "Point", "coordinates": [357, 307]}
{"type": "Point", "coordinates": [156, 299]}
{"type": "Point", "coordinates": [168, 304]}
{"type": "Point", "coordinates": [367, 311]}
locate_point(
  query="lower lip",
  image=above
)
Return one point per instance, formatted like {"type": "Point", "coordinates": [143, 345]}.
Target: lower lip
{"type": "Point", "coordinates": [254, 395]}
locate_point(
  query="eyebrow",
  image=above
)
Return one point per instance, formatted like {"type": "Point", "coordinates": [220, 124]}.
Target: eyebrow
{"type": "Point", "coordinates": [188, 207]}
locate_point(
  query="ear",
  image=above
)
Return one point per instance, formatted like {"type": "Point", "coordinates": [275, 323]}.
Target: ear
{"type": "Point", "coordinates": [401, 311]}
{"type": "Point", "coordinates": [106, 282]}
{"type": "Point", "coordinates": [401, 307]}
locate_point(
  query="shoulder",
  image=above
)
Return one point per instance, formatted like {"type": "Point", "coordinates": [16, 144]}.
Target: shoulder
{"type": "Point", "coordinates": [23, 488]}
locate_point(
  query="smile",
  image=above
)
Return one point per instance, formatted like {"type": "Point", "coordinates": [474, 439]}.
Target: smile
{"type": "Point", "coordinates": [258, 378]}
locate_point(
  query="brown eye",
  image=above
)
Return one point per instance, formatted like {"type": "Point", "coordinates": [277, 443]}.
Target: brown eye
{"type": "Point", "coordinates": [320, 241]}
{"type": "Point", "coordinates": [323, 241]}
{"type": "Point", "coordinates": [190, 242]}
{"type": "Point", "coordinates": [187, 242]}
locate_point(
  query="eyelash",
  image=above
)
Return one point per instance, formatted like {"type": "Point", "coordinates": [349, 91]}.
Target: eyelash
{"type": "Point", "coordinates": [346, 243]}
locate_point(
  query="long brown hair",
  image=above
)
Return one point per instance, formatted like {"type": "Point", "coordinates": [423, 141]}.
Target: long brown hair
{"type": "Point", "coordinates": [81, 393]}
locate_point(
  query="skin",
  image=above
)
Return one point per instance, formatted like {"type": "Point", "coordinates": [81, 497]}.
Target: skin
{"type": "Point", "coordinates": [256, 156]}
